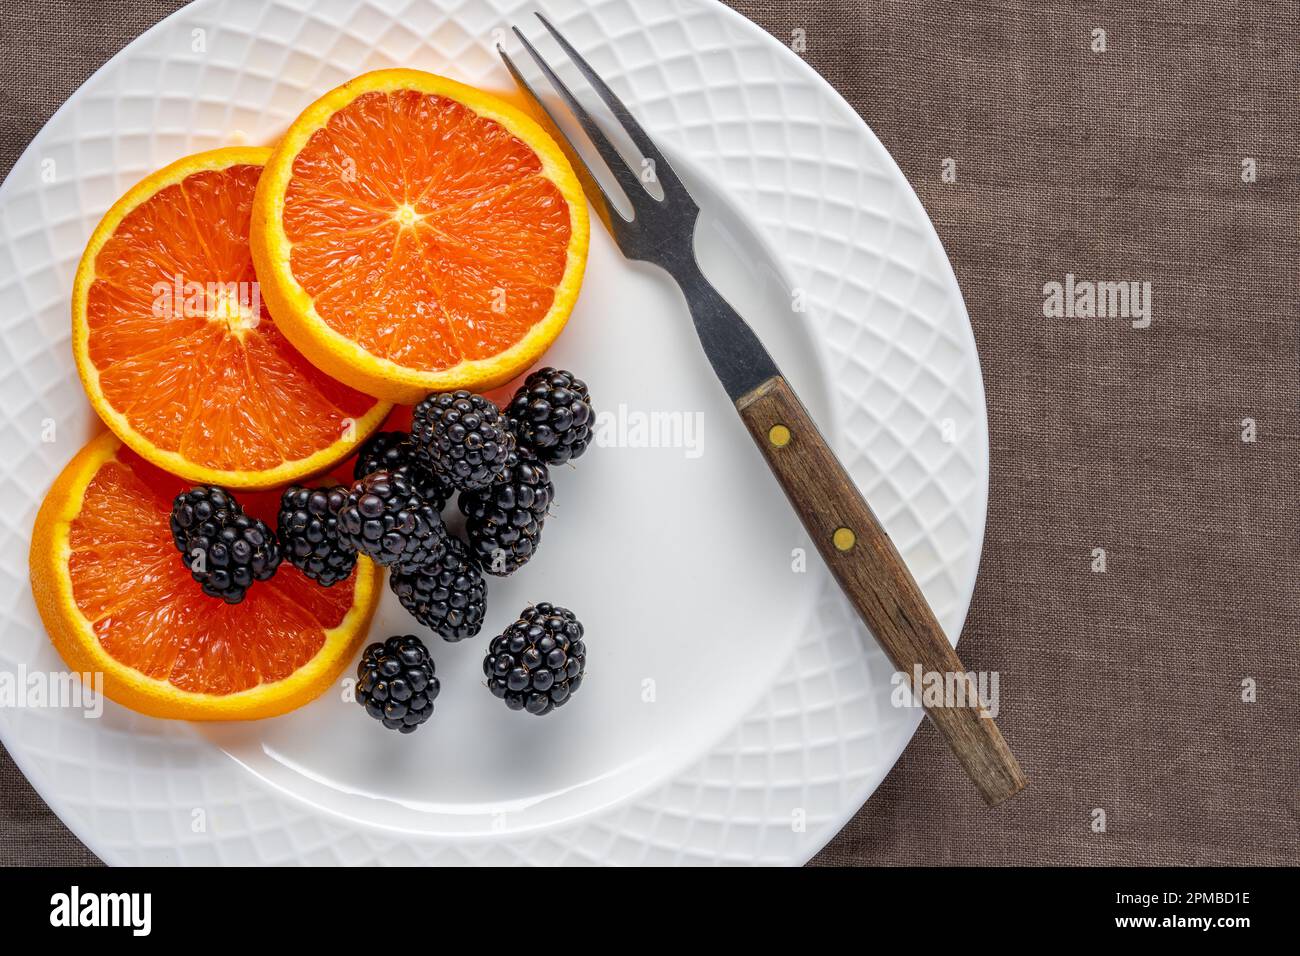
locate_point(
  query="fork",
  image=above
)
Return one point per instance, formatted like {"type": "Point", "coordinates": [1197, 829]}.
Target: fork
{"type": "Point", "coordinates": [843, 527]}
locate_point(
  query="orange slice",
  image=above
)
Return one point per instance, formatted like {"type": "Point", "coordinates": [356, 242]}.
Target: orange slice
{"type": "Point", "coordinates": [176, 349]}
{"type": "Point", "coordinates": [413, 234]}
{"type": "Point", "coordinates": [116, 600]}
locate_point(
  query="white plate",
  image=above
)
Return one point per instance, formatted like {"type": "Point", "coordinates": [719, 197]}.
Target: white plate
{"type": "Point", "coordinates": [735, 711]}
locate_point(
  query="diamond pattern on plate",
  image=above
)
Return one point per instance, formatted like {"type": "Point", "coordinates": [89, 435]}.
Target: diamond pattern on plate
{"type": "Point", "coordinates": [890, 326]}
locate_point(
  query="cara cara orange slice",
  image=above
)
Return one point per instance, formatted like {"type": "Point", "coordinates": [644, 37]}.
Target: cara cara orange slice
{"type": "Point", "coordinates": [117, 601]}
{"type": "Point", "coordinates": [413, 234]}
{"type": "Point", "coordinates": [176, 349]}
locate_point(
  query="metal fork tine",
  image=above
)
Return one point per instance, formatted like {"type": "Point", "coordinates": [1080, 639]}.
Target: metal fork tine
{"type": "Point", "coordinates": [527, 87]}
{"type": "Point", "coordinates": [663, 171]}
{"type": "Point", "coordinates": [631, 184]}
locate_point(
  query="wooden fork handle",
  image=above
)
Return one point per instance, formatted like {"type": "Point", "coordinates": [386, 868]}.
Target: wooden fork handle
{"type": "Point", "coordinates": [873, 574]}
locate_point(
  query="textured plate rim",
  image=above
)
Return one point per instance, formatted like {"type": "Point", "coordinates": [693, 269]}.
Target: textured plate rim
{"type": "Point", "coordinates": [828, 831]}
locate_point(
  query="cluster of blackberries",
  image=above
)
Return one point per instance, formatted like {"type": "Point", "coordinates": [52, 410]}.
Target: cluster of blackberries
{"type": "Point", "coordinates": [496, 466]}
{"type": "Point", "coordinates": [535, 665]}
{"type": "Point", "coordinates": [224, 549]}
{"type": "Point", "coordinates": [460, 445]}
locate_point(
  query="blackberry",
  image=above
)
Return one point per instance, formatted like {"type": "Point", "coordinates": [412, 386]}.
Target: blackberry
{"type": "Point", "coordinates": [504, 521]}
{"type": "Point", "coordinates": [462, 438]}
{"type": "Point", "coordinates": [449, 596]}
{"type": "Point", "coordinates": [307, 529]}
{"type": "Point", "coordinates": [224, 549]}
{"type": "Point", "coordinates": [393, 452]}
{"type": "Point", "coordinates": [537, 663]}
{"type": "Point", "coordinates": [384, 518]}
{"type": "Point", "coordinates": [551, 414]}
{"type": "Point", "coordinates": [203, 507]}
{"type": "Point", "coordinates": [396, 683]}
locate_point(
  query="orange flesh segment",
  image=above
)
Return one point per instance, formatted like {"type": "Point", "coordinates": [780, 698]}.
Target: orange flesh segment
{"type": "Point", "coordinates": [424, 232]}
{"type": "Point", "coordinates": [148, 613]}
{"type": "Point", "coordinates": [205, 374]}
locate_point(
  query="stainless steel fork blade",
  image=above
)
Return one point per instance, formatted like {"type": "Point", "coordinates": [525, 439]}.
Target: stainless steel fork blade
{"type": "Point", "coordinates": [850, 538]}
{"type": "Point", "coordinates": [661, 232]}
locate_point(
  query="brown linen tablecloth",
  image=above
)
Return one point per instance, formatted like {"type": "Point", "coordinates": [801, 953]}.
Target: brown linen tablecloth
{"type": "Point", "coordinates": [1122, 690]}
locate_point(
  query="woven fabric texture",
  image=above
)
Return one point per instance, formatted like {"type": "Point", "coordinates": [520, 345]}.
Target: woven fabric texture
{"type": "Point", "coordinates": [1153, 145]}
